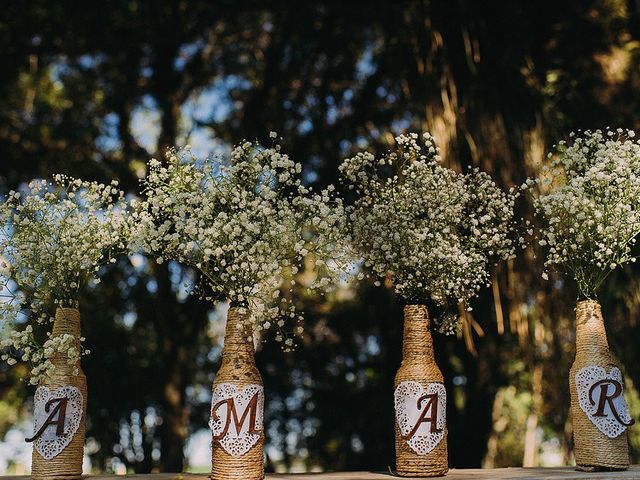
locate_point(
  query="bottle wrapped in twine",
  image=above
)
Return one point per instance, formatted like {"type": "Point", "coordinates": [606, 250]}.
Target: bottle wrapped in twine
{"type": "Point", "coordinates": [237, 406]}
{"type": "Point", "coordinates": [67, 464]}
{"type": "Point", "coordinates": [595, 369]}
{"type": "Point", "coordinates": [420, 402]}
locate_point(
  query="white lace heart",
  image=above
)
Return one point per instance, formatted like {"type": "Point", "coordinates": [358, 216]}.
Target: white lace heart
{"type": "Point", "coordinates": [415, 406]}
{"type": "Point", "coordinates": [237, 417]}
{"type": "Point", "coordinates": [592, 383]}
{"type": "Point", "coordinates": [49, 444]}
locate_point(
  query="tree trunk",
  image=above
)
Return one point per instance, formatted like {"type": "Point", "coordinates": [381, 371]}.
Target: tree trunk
{"type": "Point", "coordinates": [530, 456]}
{"type": "Point", "coordinates": [175, 415]}
{"type": "Point", "coordinates": [175, 332]}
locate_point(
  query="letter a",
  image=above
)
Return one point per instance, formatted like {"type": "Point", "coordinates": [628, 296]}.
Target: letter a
{"type": "Point", "coordinates": [431, 405]}
{"type": "Point", "coordinates": [60, 411]}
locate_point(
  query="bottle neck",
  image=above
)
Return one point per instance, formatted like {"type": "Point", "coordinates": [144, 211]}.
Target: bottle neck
{"type": "Point", "coordinates": [417, 340]}
{"type": "Point", "coordinates": [590, 331]}
{"type": "Point", "coordinates": [238, 336]}
{"type": "Point", "coordinates": [66, 322]}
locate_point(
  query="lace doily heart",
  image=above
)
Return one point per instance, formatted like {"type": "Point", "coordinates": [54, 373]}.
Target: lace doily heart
{"type": "Point", "coordinates": [421, 414]}
{"type": "Point", "coordinates": [54, 413]}
{"type": "Point", "coordinates": [237, 417]}
{"type": "Point", "coordinates": [600, 395]}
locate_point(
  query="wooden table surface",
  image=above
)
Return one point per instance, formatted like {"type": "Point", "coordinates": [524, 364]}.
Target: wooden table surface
{"type": "Point", "coordinates": [473, 474]}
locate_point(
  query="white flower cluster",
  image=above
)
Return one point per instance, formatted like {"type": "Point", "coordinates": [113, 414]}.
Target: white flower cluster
{"type": "Point", "coordinates": [54, 236]}
{"type": "Point", "coordinates": [433, 231]}
{"type": "Point", "coordinates": [247, 224]}
{"type": "Point", "coordinates": [589, 203]}
{"type": "Point", "coordinates": [39, 356]}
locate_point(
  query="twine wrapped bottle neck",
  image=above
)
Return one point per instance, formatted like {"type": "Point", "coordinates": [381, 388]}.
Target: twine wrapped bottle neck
{"type": "Point", "coordinates": [67, 322]}
{"type": "Point", "coordinates": [590, 331]}
{"type": "Point", "coordinates": [417, 340]}
{"type": "Point", "coordinates": [238, 336]}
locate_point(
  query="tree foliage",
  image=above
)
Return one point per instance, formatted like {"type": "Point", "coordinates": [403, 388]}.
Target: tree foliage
{"type": "Point", "coordinates": [95, 92]}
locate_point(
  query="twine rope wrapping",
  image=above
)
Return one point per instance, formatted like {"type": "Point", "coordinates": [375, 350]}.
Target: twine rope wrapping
{"type": "Point", "coordinates": [418, 365]}
{"type": "Point", "coordinates": [238, 368]}
{"type": "Point", "coordinates": [68, 464]}
{"type": "Point", "coordinates": [593, 450]}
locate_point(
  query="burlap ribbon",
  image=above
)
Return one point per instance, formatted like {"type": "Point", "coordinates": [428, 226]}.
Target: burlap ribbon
{"type": "Point", "coordinates": [593, 449]}
{"type": "Point", "coordinates": [418, 365]}
{"type": "Point", "coordinates": [238, 368]}
{"type": "Point", "coordinates": [67, 464]}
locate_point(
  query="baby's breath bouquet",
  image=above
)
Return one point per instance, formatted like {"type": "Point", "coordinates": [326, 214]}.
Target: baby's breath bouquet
{"type": "Point", "coordinates": [246, 223]}
{"type": "Point", "coordinates": [249, 226]}
{"type": "Point", "coordinates": [433, 231]}
{"type": "Point", "coordinates": [54, 236]}
{"type": "Point", "coordinates": [589, 203]}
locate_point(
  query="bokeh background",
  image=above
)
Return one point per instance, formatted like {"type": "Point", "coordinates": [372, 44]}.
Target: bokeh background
{"type": "Point", "coordinates": [95, 90]}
